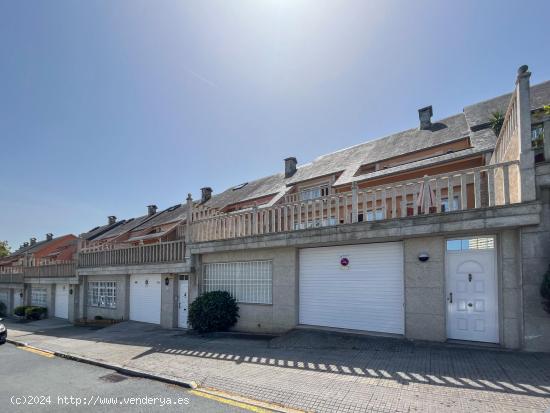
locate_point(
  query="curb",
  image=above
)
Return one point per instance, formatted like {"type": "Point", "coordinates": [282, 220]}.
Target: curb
{"type": "Point", "coordinates": [158, 377]}
{"type": "Point", "coordinates": [112, 366]}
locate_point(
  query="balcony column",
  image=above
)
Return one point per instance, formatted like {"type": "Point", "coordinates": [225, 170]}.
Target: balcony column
{"type": "Point", "coordinates": [546, 140]}
{"type": "Point", "coordinates": [188, 228]}
{"type": "Point", "coordinates": [526, 156]}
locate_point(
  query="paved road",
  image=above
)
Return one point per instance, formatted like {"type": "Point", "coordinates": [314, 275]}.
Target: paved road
{"type": "Point", "coordinates": [28, 374]}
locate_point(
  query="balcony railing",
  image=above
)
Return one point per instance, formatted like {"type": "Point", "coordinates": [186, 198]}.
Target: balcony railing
{"type": "Point", "coordinates": [485, 186]}
{"type": "Point", "coordinates": [59, 270]}
{"type": "Point", "coordinates": [162, 252]}
{"type": "Point", "coordinates": [11, 275]}
{"type": "Point", "coordinates": [507, 144]}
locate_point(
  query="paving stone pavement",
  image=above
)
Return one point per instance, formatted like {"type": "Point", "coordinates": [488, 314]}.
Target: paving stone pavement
{"type": "Point", "coordinates": [319, 371]}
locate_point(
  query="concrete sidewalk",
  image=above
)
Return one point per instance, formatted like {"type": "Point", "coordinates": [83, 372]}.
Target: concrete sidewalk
{"type": "Point", "coordinates": [315, 371]}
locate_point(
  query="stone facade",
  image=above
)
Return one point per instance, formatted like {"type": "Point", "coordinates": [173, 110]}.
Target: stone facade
{"type": "Point", "coordinates": [280, 316]}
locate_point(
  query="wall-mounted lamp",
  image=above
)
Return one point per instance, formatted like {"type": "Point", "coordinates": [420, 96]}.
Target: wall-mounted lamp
{"type": "Point", "coordinates": [423, 257]}
{"type": "Point", "coordinates": [71, 291]}
{"type": "Point", "coordinates": [167, 281]}
{"type": "Point", "coordinates": [21, 295]}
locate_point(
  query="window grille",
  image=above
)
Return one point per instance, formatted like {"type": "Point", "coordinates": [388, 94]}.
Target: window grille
{"type": "Point", "coordinates": [480, 243]}
{"type": "Point", "coordinates": [39, 297]}
{"type": "Point", "coordinates": [102, 294]}
{"type": "Point", "coordinates": [247, 281]}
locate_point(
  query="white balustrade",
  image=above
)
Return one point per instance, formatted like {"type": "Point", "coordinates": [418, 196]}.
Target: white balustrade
{"type": "Point", "coordinates": [480, 187]}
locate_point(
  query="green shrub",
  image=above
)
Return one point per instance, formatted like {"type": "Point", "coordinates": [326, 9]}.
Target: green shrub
{"type": "Point", "coordinates": [98, 317]}
{"type": "Point", "coordinates": [3, 309]}
{"type": "Point", "coordinates": [35, 313]}
{"type": "Point", "coordinates": [19, 311]}
{"type": "Point", "coordinates": [545, 290]}
{"type": "Point", "coordinates": [213, 311]}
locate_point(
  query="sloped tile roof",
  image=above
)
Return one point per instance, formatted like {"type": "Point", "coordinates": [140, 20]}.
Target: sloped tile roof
{"type": "Point", "coordinates": [124, 226]}
{"type": "Point", "coordinates": [472, 123]}
{"type": "Point", "coordinates": [479, 114]}
{"type": "Point", "coordinates": [174, 213]}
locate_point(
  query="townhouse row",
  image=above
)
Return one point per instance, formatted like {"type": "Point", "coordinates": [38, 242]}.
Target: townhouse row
{"type": "Point", "coordinates": [440, 232]}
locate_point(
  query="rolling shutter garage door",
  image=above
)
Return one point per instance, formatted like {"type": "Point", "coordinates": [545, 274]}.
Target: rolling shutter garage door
{"type": "Point", "coordinates": [62, 300]}
{"type": "Point", "coordinates": [367, 294]}
{"type": "Point", "coordinates": [145, 298]}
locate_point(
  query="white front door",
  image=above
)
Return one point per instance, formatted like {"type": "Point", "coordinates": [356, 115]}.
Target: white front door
{"type": "Point", "coordinates": [62, 300]}
{"type": "Point", "coordinates": [183, 302]}
{"type": "Point", "coordinates": [145, 298]}
{"type": "Point", "coordinates": [472, 304]}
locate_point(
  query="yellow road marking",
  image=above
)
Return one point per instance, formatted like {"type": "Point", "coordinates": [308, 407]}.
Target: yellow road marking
{"type": "Point", "coordinates": [230, 402]}
{"type": "Point", "coordinates": [36, 351]}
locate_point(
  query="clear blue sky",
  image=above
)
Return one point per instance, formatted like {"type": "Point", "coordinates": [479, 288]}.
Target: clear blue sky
{"type": "Point", "coordinates": [108, 106]}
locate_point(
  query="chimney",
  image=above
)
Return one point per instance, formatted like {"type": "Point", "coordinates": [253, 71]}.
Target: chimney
{"type": "Point", "coordinates": [49, 236]}
{"type": "Point", "coordinates": [151, 210]}
{"type": "Point", "coordinates": [425, 116]}
{"type": "Point", "coordinates": [33, 241]}
{"type": "Point", "coordinates": [25, 244]}
{"type": "Point", "coordinates": [290, 166]}
{"type": "Point", "coordinates": [206, 194]}
{"type": "Point", "coordinates": [111, 219]}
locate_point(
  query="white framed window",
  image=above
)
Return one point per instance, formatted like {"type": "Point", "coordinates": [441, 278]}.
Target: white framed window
{"type": "Point", "coordinates": [247, 281]}
{"type": "Point", "coordinates": [375, 215]}
{"type": "Point", "coordinates": [445, 204]}
{"type": "Point", "coordinates": [325, 222]}
{"type": "Point", "coordinates": [314, 192]}
{"type": "Point", "coordinates": [39, 297]}
{"type": "Point", "coordinates": [102, 294]}
{"type": "Point", "coordinates": [478, 243]}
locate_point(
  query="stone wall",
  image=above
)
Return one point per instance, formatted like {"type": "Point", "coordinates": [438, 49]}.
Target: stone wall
{"type": "Point", "coordinates": [280, 316]}
{"type": "Point", "coordinates": [122, 310]}
{"type": "Point", "coordinates": [425, 289]}
{"type": "Point", "coordinates": [535, 249]}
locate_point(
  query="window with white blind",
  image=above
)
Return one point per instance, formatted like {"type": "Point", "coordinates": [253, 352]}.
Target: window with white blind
{"type": "Point", "coordinates": [247, 281]}
{"type": "Point", "coordinates": [102, 294]}
{"type": "Point", "coordinates": [39, 297]}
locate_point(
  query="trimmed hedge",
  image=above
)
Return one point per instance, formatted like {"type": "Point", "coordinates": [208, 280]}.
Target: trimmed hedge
{"type": "Point", "coordinates": [213, 311]}
{"type": "Point", "coordinates": [3, 309]}
{"type": "Point", "coordinates": [19, 311]}
{"type": "Point", "coordinates": [35, 313]}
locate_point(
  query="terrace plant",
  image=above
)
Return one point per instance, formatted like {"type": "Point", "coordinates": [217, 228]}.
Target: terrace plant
{"type": "Point", "coordinates": [496, 121]}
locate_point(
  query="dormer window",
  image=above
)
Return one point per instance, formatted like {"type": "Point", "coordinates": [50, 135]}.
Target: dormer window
{"type": "Point", "coordinates": [314, 192]}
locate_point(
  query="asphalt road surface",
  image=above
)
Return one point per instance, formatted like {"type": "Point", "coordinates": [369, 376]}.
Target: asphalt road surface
{"type": "Point", "coordinates": [50, 382]}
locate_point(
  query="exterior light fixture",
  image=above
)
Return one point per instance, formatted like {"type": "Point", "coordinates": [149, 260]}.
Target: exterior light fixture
{"type": "Point", "coordinates": [423, 257]}
{"type": "Point", "coordinates": [167, 281]}
{"type": "Point", "coordinates": [71, 291]}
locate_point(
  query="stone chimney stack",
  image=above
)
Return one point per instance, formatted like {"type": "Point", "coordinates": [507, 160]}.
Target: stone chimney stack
{"type": "Point", "coordinates": [49, 236]}
{"type": "Point", "coordinates": [290, 166]}
{"type": "Point", "coordinates": [33, 241]}
{"type": "Point", "coordinates": [151, 210]}
{"type": "Point", "coordinates": [111, 220]}
{"type": "Point", "coordinates": [425, 116]}
{"type": "Point", "coordinates": [206, 194]}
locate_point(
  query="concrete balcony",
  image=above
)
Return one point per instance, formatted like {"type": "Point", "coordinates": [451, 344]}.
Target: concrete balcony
{"type": "Point", "coordinates": [482, 188]}
{"type": "Point", "coordinates": [58, 270]}
{"type": "Point", "coordinates": [113, 255]}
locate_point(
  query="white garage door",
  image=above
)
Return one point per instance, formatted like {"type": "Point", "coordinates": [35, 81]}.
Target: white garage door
{"type": "Point", "coordinates": [145, 298]}
{"type": "Point", "coordinates": [62, 300]}
{"type": "Point", "coordinates": [366, 294]}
